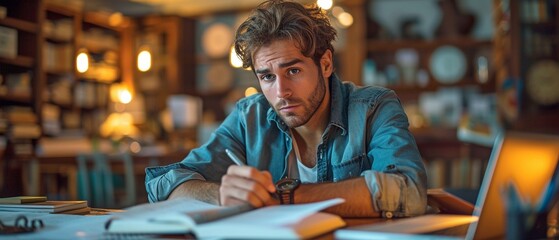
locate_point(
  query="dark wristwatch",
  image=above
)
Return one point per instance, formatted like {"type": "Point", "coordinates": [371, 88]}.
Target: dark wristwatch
{"type": "Point", "coordinates": [285, 189]}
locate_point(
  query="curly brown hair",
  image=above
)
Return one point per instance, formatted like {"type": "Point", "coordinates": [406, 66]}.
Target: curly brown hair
{"type": "Point", "coordinates": [274, 20]}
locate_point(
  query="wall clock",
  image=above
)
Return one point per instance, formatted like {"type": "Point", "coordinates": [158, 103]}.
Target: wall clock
{"type": "Point", "coordinates": [217, 40]}
{"type": "Point", "coordinates": [448, 64]}
{"type": "Point", "coordinates": [543, 82]}
{"type": "Point", "coordinates": [219, 77]}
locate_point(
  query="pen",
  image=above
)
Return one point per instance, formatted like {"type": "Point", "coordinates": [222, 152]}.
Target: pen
{"type": "Point", "coordinates": [234, 158]}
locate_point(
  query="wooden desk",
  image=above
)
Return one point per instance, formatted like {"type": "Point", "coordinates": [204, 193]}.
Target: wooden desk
{"type": "Point", "coordinates": [92, 226]}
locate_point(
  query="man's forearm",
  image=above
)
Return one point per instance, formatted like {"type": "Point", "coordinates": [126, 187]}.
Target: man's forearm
{"type": "Point", "coordinates": [358, 202]}
{"type": "Point", "coordinates": [198, 189]}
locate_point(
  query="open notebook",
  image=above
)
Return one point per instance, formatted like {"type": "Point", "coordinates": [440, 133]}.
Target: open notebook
{"type": "Point", "coordinates": [527, 160]}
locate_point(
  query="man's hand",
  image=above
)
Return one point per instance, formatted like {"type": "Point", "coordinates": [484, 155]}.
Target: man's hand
{"type": "Point", "coordinates": [243, 184]}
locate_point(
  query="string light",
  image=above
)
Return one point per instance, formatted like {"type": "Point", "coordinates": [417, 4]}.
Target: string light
{"type": "Point", "coordinates": [324, 4]}
{"type": "Point", "coordinates": [82, 61]}
{"type": "Point", "coordinates": [144, 60]}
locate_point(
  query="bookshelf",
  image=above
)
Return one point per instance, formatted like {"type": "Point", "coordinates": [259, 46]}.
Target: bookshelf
{"type": "Point", "coordinates": [41, 93]}
{"type": "Point", "coordinates": [534, 33]}
{"type": "Point", "coordinates": [20, 81]}
{"type": "Point", "coordinates": [60, 26]}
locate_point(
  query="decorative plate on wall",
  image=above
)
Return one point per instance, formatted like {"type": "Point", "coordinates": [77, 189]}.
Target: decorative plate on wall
{"type": "Point", "coordinates": [214, 77]}
{"type": "Point", "coordinates": [543, 82]}
{"type": "Point", "coordinates": [217, 40]}
{"type": "Point", "coordinates": [448, 64]}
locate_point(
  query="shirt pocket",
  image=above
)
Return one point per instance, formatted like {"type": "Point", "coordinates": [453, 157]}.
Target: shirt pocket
{"type": "Point", "coordinates": [349, 168]}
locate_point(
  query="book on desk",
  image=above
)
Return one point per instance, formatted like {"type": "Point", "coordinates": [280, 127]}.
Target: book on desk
{"type": "Point", "coordinates": [40, 204]}
{"type": "Point", "coordinates": [181, 216]}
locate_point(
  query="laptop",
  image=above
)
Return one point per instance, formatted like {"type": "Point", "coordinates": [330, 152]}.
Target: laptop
{"type": "Point", "coordinates": [529, 161]}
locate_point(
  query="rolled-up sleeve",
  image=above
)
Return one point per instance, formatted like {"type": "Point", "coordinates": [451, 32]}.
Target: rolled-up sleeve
{"type": "Point", "coordinates": [161, 181]}
{"type": "Point", "coordinates": [393, 195]}
{"type": "Point", "coordinates": [397, 181]}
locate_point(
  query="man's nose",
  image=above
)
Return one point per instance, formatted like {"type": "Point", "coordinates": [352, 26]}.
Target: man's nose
{"type": "Point", "coordinates": [283, 87]}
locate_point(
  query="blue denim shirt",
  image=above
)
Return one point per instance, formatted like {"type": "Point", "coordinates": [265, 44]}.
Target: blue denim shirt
{"type": "Point", "coordinates": [367, 136]}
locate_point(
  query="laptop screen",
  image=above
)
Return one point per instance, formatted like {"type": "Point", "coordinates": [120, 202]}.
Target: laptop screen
{"type": "Point", "coordinates": [526, 160]}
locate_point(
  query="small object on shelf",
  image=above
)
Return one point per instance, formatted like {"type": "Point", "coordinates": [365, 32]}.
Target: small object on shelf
{"type": "Point", "coordinates": [422, 78]}
{"type": "Point", "coordinates": [454, 22]}
{"type": "Point", "coordinates": [409, 28]}
{"type": "Point", "coordinates": [8, 42]}
{"type": "Point", "coordinates": [543, 82]}
{"type": "Point", "coordinates": [448, 64]}
{"type": "Point", "coordinates": [407, 60]}
{"type": "Point", "coordinates": [483, 62]}
{"type": "Point", "coordinates": [3, 12]}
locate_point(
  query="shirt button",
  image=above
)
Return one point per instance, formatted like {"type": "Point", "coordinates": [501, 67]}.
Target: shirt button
{"type": "Point", "coordinates": [388, 214]}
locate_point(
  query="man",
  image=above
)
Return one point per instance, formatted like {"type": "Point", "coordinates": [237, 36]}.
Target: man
{"type": "Point", "coordinates": [339, 140]}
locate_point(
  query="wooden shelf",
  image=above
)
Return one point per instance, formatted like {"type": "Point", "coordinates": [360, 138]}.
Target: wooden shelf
{"type": "Point", "coordinates": [102, 20]}
{"type": "Point", "coordinates": [540, 26]}
{"type": "Point", "coordinates": [19, 24]}
{"type": "Point", "coordinates": [93, 80]}
{"type": "Point", "coordinates": [58, 40]}
{"type": "Point", "coordinates": [60, 10]}
{"type": "Point", "coordinates": [18, 98]}
{"type": "Point", "coordinates": [57, 72]}
{"type": "Point", "coordinates": [62, 105]}
{"type": "Point", "coordinates": [20, 61]}
{"type": "Point", "coordinates": [394, 45]}
{"type": "Point", "coordinates": [96, 48]}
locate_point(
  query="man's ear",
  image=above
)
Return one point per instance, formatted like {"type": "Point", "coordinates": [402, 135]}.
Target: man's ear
{"type": "Point", "coordinates": [326, 64]}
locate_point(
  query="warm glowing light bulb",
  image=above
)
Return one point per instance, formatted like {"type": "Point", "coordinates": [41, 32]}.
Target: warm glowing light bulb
{"type": "Point", "coordinates": [124, 96]}
{"type": "Point", "coordinates": [345, 19]}
{"type": "Point", "coordinates": [250, 91]}
{"type": "Point", "coordinates": [135, 147]}
{"type": "Point", "coordinates": [116, 19]}
{"type": "Point", "coordinates": [324, 4]}
{"type": "Point", "coordinates": [144, 60]}
{"type": "Point", "coordinates": [82, 62]}
{"type": "Point", "coordinates": [120, 93]}
{"type": "Point", "coordinates": [235, 61]}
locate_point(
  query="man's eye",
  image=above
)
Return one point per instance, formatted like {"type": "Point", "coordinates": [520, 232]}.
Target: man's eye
{"type": "Point", "coordinates": [267, 77]}
{"type": "Point", "coordinates": [294, 71]}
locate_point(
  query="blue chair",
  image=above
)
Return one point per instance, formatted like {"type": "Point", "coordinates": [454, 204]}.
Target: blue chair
{"type": "Point", "coordinates": [96, 180]}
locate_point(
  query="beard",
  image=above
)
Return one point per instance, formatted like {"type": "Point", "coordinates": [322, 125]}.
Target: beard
{"type": "Point", "coordinates": [310, 106]}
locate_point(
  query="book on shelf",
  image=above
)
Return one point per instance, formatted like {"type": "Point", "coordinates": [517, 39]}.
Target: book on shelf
{"type": "Point", "coordinates": [44, 207]}
{"type": "Point", "coordinates": [24, 131]}
{"type": "Point", "coordinates": [20, 115]}
{"type": "Point", "coordinates": [183, 215]}
{"type": "Point", "coordinates": [22, 147]}
{"type": "Point", "coordinates": [8, 42]}
{"type": "Point", "coordinates": [19, 83]}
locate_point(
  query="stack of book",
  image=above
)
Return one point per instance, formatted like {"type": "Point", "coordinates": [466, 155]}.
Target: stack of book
{"type": "Point", "coordinates": [40, 204]}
